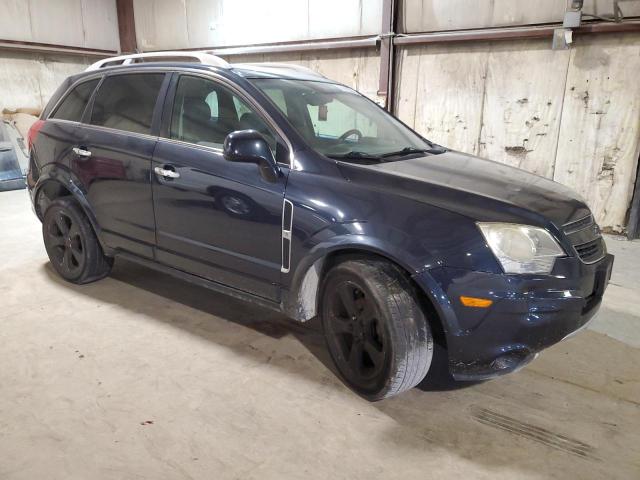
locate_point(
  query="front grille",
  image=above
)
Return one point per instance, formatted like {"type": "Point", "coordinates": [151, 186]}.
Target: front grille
{"type": "Point", "coordinates": [585, 238]}
{"type": "Point", "coordinates": [591, 251]}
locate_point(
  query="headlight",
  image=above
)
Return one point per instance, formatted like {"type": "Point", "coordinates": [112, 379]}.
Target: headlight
{"type": "Point", "coordinates": [521, 248]}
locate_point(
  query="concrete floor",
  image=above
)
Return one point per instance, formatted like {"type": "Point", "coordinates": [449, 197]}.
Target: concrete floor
{"type": "Point", "coordinates": [143, 376]}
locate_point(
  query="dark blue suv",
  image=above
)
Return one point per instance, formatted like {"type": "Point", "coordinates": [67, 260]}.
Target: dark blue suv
{"type": "Point", "coordinates": [276, 185]}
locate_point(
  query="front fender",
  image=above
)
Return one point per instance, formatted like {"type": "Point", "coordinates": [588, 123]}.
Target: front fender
{"type": "Point", "coordinates": [301, 292]}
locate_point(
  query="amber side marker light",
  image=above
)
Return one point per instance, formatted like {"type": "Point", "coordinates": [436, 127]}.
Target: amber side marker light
{"type": "Point", "coordinates": [476, 302]}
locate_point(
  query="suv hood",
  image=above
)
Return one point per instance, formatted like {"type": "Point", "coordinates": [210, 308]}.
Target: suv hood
{"type": "Point", "coordinates": [481, 189]}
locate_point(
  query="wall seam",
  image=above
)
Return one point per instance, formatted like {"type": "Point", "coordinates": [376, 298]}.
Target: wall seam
{"type": "Point", "coordinates": [484, 97]}
{"type": "Point", "coordinates": [564, 96]}
{"type": "Point", "coordinates": [415, 103]}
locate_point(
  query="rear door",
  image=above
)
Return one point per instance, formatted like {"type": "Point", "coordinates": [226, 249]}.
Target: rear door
{"type": "Point", "coordinates": [217, 219]}
{"type": "Point", "coordinates": [58, 135]}
{"type": "Point", "coordinates": [113, 158]}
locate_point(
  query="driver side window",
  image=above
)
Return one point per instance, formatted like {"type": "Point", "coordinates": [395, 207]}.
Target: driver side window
{"type": "Point", "coordinates": [205, 112]}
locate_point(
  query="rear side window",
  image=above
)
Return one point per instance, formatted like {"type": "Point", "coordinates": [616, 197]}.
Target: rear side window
{"type": "Point", "coordinates": [126, 102]}
{"type": "Point", "coordinates": [72, 107]}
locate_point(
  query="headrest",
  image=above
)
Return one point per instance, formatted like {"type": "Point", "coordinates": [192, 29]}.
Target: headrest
{"type": "Point", "coordinates": [196, 109]}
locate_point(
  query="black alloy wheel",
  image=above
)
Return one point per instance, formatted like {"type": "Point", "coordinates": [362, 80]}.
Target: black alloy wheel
{"type": "Point", "coordinates": [63, 237]}
{"type": "Point", "coordinates": [376, 331]}
{"type": "Point", "coordinates": [356, 337]}
{"type": "Point", "coordinates": [71, 243]}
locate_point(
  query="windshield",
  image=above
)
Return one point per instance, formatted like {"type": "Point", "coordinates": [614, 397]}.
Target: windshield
{"type": "Point", "coordinates": [339, 123]}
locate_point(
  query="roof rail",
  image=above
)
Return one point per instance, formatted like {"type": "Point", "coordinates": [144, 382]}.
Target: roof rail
{"type": "Point", "coordinates": [186, 56]}
{"type": "Point", "coordinates": [292, 66]}
{"type": "Point", "coordinates": [283, 66]}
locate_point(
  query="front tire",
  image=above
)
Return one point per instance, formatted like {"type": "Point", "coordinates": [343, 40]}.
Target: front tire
{"type": "Point", "coordinates": [376, 332]}
{"type": "Point", "coordinates": [72, 246]}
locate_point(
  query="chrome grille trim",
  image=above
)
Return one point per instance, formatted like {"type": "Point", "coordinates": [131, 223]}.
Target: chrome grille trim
{"type": "Point", "coordinates": [577, 225]}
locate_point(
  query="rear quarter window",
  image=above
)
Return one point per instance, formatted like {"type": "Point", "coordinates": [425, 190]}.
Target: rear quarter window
{"type": "Point", "coordinates": [73, 105]}
{"type": "Point", "coordinates": [127, 102]}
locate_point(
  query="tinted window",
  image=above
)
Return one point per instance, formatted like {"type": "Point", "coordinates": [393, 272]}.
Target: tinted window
{"type": "Point", "coordinates": [126, 102]}
{"type": "Point", "coordinates": [205, 112]}
{"type": "Point", "coordinates": [74, 104]}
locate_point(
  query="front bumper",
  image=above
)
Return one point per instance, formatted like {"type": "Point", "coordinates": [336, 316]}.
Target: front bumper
{"type": "Point", "coordinates": [529, 313]}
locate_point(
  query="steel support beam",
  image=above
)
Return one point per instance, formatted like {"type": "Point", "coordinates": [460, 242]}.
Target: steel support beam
{"type": "Point", "coordinates": [385, 81]}
{"type": "Point", "coordinates": [53, 48]}
{"type": "Point", "coordinates": [512, 33]}
{"type": "Point", "coordinates": [307, 46]}
{"type": "Point", "coordinates": [126, 26]}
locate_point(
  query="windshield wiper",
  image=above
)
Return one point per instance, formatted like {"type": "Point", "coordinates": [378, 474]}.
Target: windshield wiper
{"type": "Point", "coordinates": [354, 155]}
{"type": "Point", "coordinates": [406, 151]}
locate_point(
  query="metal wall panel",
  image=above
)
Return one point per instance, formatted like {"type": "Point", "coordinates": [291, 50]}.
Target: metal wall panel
{"type": "Point", "coordinates": [100, 24]}
{"type": "Point", "coordinates": [77, 23]}
{"type": "Point", "coordinates": [573, 116]}
{"type": "Point", "coordinates": [439, 15]}
{"type": "Point", "coordinates": [161, 24]}
{"type": "Point", "coordinates": [168, 24]}
{"type": "Point", "coordinates": [15, 23]}
{"type": "Point", "coordinates": [58, 22]}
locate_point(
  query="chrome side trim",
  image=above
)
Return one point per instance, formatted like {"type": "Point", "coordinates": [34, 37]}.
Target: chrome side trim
{"type": "Point", "coordinates": [117, 131]}
{"type": "Point", "coordinates": [286, 236]}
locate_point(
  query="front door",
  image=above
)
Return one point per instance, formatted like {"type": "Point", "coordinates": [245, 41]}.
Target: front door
{"type": "Point", "coordinates": [216, 219]}
{"type": "Point", "coordinates": [113, 159]}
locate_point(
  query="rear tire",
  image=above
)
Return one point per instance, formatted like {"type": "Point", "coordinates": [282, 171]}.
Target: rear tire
{"type": "Point", "coordinates": [376, 331]}
{"type": "Point", "coordinates": [72, 246]}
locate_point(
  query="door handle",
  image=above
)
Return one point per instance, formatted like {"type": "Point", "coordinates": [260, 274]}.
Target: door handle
{"type": "Point", "coordinates": [81, 152]}
{"type": "Point", "coordinates": [166, 173]}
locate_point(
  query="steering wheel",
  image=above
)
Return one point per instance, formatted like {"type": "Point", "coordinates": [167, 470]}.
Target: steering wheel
{"type": "Point", "coordinates": [348, 133]}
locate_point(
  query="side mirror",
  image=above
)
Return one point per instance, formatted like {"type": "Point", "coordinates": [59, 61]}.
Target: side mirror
{"type": "Point", "coordinates": [249, 146]}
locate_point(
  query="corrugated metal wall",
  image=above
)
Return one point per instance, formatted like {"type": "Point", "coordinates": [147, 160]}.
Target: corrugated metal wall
{"type": "Point", "coordinates": [568, 115]}
{"type": "Point", "coordinates": [166, 24]}
{"type": "Point", "coordinates": [78, 23]}
{"type": "Point", "coordinates": [29, 79]}
{"type": "Point", "coordinates": [438, 15]}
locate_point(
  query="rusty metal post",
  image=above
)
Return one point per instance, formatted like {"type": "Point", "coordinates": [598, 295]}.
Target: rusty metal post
{"type": "Point", "coordinates": [126, 26]}
{"type": "Point", "coordinates": [387, 32]}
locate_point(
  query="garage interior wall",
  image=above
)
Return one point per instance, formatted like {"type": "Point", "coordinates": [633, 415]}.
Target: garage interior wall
{"type": "Point", "coordinates": [27, 79]}
{"type": "Point", "coordinates": [571, 115]}
{"type": "Point", "coordinates": [170, 24]}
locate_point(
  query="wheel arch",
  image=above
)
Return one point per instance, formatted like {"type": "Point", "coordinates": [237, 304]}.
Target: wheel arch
{"type": "Point", "coordinates": [56, 183]}
{"type": "Point", "coordinates": [304, 297]}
